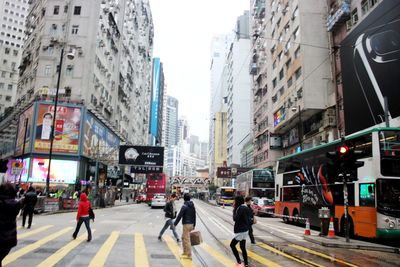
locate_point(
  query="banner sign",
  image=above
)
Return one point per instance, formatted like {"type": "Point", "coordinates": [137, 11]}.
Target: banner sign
{"type": "Point", "coordinates": [24, 126]}
{"type": "Point", "coordinates": [144, 159]}
{"type": "Point", "coordinates": [66, 132]}
{"type": "Point", "coordinates": [228, 172]}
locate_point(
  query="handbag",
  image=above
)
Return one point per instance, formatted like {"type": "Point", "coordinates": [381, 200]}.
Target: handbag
{"type": "Point", "coordinates": [195, 238]}
{"type": "Point", "coordinates": [91, 214]}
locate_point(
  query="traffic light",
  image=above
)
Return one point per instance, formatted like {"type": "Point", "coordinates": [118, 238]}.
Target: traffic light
{"type": "Point", "coordinates": [344, 160]}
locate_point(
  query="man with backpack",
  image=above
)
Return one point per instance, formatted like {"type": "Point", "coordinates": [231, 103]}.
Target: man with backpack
{"type": "Point", "coordinates": [170, 215]}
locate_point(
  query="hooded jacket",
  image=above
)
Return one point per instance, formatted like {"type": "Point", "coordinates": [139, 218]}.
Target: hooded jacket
{"type": "Point", "coordinates": [83, 208]}
{"type": "Point", "coordinates": [187, 214]}
{"type": "Point", "coordinates": [9, 209]}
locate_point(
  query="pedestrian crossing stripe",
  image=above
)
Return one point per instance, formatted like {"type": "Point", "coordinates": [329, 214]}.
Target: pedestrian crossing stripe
{"type": "Point", "coordinates": [140, 251]}
{"type": "Point", "coordinates": [217, 255]}
{"type": "Point", "coordinates": [322, 255]}
{"type": "Point", "coordinates": [62, 252]}
{"type": "Point", "coordinates": [174, 248]}
{"type": "Point", "coordinates": [256, 257]}
{"type": "Point", "coordinates": [29, 248]}
{"type": "Point", "coordinates": [297, 259]}
{"type": "Point", "coordinates": [101, 256]}
{"type": "Point", "coordinates": [34, 232]}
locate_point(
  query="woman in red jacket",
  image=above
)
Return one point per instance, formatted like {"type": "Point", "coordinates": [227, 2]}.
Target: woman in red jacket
{"type": "Point", "coordinates": [83, 216]}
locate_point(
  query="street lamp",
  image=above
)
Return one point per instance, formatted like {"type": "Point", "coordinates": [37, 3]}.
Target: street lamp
{"type": "Point", "coordinates": [70, 55]}
{"type": "Point", "coordinates": [300, 128]}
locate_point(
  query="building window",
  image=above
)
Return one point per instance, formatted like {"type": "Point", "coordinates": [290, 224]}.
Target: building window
{"type": "Point", "coordinates": [47, 70]}
{"type": "Point", "coordinates": [274, 83]}
{"type": "Point", "coordinates": [364, 7]}
{"type": "Point", "coordinates": [274, 65]}
{"type": "Point", "coordinates": [75, 29]}
{"type": "Point", "coordinates": [297, 52]}
{"type": "Point", "coordinates": [298, 73]}
{"type": "Point", "coordinates": [354, 16]}
{"type": "Point", "coordinates": [7, 51]}
{"type": "Point", "coordinates": [8, 98]}
{"type": "Point", "coordinates": [56, 10]}
{"type": "Point", "coordinates": [10, 87]}
{"type": "Point", "coordinates": [288, 63]}
{"type": "Point", "coordinates": [281, 74]}
{"type": "Point", "coordinates": [69, 70]}
{"type": "Point", "coordinates": [77, 10]}
{"type": "Point", "coordinates": [1, 85]}
{"type": "Point", "coordinates": [3, 74]}
{"type": "Point", "coordinates": [65, 8]}
{"type": "Point", "coordinates": [289, 82]}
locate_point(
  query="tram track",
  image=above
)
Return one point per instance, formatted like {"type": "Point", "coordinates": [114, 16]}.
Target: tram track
{"type": "Point", "coordinates": [273, 247]}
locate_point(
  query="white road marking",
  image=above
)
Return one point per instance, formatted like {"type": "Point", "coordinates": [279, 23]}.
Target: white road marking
{"type": "Point", "coordinates": [287, 233]}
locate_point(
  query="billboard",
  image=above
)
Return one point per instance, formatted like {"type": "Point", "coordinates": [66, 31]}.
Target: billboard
{"type": "Point", "coordinates": [24, 125]}
{"type": "Point", "coordinates": [98, 140]}
{"type": "Point", "coordinates": [144, 159]}
{"type": "Point", "coordinates": [61, 171]}
{"type": "Point", "coordinates": [370, 61]}
{"type": "Point", "coordinates": [66, 132]}
{"type": "Point", "coordinates": [17, 169]}
{"type": "Point", "coordinates": [155, 95]}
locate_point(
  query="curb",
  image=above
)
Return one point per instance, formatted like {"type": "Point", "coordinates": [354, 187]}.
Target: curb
{"type": "Point", "coordinates": [353, 246]}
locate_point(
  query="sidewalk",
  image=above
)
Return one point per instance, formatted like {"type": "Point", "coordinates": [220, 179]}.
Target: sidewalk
{"type": "Point", "coordinates": [340, 242]}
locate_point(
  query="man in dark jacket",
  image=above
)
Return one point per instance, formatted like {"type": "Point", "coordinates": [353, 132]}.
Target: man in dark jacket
{"type": "Point", "coordinates": [9, 209]}
{"type": "Point", "coordinates": [188, 216]}
{"type": "Point", "coordinates": [251, 219]}
{"type": "Point", "coordinates": [29, 206]}
{"type": "Point", "coordinates": [170, 215]}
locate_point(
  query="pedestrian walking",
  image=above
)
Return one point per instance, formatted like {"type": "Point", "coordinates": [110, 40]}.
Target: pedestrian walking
{"type": "Point", "coordinates": [82, 216]}
{"type": "Point", "coordinates": [170, 215]}
{"type": "Point", "coordinates": [241, 230]}
{"type": "Point", "coordinates": [251, 219]}
{"type": "Point", "coordinates": [188, 216]}
{"type": "Point", "coordinates": [29, 203]}
{"type": "Point", "coordinates": [9, 209]}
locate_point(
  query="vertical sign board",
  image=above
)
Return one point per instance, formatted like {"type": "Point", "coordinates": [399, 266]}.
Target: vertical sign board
{"type": "Point", "coordinates": [19, 146]}
{"type": "Point", "coordinates": [370, 61]}
{"type": "Point", "coordinates": [155, 96]}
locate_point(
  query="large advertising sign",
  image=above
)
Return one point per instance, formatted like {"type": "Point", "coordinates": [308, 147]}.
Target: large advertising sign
{"type": "Point", "coordinates": [66, 132]}
{"type": "Point", "coordinates": [144, 159]}
{"type": "Point", "coordinates": [17, 169]}
{"type": "Point", "coordinates": [155, 96]}
{"type": "Point", "coordinates": [370, 60]}
{"type": "Point", "coordinates": [24, 132]}
{"type": "Point", "coordinates": [98, 140]}
{"type": "Point", "coordinates": [61, 171]}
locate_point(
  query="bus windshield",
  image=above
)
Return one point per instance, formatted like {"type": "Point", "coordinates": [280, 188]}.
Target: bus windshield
{"type": "Point", "coordinates": [227, 193]}
{"type": "Point", "coordinates": [388, 195]}
{"type": "Point", "coordinates": [389, 145]}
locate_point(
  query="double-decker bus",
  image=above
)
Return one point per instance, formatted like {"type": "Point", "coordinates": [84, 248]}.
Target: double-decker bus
{"type": "Point", "coordinates": [155, 184]}
{"type": "Point", "coordinates": [225, 195]}
{"type": "Point", "coordinates": [305, 182]}
{"type": "Point", "coordinates": [256, 183]}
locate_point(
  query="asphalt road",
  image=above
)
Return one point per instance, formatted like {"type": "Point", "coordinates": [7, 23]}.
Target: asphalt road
{"type": "Point", "coordinates": [127, 236]}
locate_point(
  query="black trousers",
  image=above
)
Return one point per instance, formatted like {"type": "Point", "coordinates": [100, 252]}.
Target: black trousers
{"type": "Point", "coordinates": [85, 220]}
{"type": "Point", "coordinates": [251, 235]}
{"type": "Point", "coordinates": [27, 211]}
{"type": "Point", "coordinates": [236, 252]}
{"type": "Point", "coordinates": [3, 253]}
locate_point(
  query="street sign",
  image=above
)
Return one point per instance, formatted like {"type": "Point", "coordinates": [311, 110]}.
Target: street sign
{"type": "Point", "coordinates": [228, 172]}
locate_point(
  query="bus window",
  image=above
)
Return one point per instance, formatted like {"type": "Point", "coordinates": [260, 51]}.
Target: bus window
{"type": "Point", "coordinates": [277, 190]}
{"type": "Point", "coordinates": [389, 144]}
{"type": "Point", "coordinates": [291, 193]}
{"type": "Point", "coordinates": [367, 195]}
{"type": "Point", "coordinates": [388, 196]}
{"type": "Point", "coordinates": [338, 197]}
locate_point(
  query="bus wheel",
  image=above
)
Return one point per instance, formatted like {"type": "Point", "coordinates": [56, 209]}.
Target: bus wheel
{"type": "Point", "coordinates": [285, 217]}
{"type": "Point", "coordinates": [351, 227]}
{"type": "Point", "coordinates": [296, 220]}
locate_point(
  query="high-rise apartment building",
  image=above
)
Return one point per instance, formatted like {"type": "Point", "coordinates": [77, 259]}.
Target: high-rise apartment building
{"type": "Point", "coordinates": [293, 92]}
{"type": "Point", "coordinates": [170, 131]}
{"type": "Point", "coordinates": [157, 103]}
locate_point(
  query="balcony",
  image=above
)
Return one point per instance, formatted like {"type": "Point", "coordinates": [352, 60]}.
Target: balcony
{"type": "Point", "coordinates": [341, 15]}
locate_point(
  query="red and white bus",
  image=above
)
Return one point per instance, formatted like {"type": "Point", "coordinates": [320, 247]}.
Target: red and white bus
{"type": "Point", "coordinates": [155, 184]}
{"type": "Point", "coordinates": [305, 183]}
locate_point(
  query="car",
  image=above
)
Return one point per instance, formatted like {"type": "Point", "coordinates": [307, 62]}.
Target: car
{"type": "Point", "coordinates": [159, 200]}
{"type": "Point", "coordinates": [140, 198]}
{"type": "Point", "coordinates": [263, 207]}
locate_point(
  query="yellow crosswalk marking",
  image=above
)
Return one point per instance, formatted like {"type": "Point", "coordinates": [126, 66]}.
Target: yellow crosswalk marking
{"type": "Point", "coordinates": [217, 255]}
{"type": "Point", "coordinates": [140, 251]}
{"type": "Point", "coordinates": [176, 251]}
{"type": "Point", "coordinates": [297, 259]}
{"type": "Point", "coordinates": [62, 252]}
{"type": "Point", "coordinates": [34, 232]}
{"type": "Point", "coordinates": [101, 256]}
{"type": "Point", "coordinates": [322, 255]}
{"type": "Point", "coordinates": [15, 255]}
{"type": "Point", "coordinates": [256, 257]}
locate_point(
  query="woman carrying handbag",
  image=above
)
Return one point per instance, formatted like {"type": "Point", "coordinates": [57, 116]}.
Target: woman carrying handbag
{"type": "Point", "coordinates": [82, 216]}
{"type": "Point", "coordinates": [241, 230]}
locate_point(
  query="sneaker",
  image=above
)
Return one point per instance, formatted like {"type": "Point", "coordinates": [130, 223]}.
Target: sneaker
{"type": "Point", "coordinates": [187, 257]}
{"type": "Point", "coordinates": [89, 239]}
{"type": "Point", "coordinates": [73, 236]}
{"type": "Point", "coordinates": [29, 227]}
{"type": "Point", "coordinates": [159, 238]}
{"type": "Point", "coordinates": [178, 240]}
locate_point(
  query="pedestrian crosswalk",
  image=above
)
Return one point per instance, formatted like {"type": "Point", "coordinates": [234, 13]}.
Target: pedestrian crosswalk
{"type": "Point", "coordinates": [50, 246]}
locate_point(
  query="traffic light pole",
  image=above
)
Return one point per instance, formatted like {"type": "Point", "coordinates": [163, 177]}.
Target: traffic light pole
{"type": "Point", "coordinates": [346, 207]}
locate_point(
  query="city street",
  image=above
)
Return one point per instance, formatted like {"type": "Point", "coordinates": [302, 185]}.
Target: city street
{"type": "Point", "coordinates": [127, 236]}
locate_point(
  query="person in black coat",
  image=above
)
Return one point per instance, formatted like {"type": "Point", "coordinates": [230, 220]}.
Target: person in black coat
{"type": "Point", "coordinates": [29, 206]}
{"type": "Point", "coordinates": [188, 216]}
{"type": "Point", "coordinates": [9, 209]}
{"type": "Point", "coordinates": [170, 215]}
{"type": "Point", "coordinates": [241, 229]}
{"type": "Point", "coordinates": [251, 219]}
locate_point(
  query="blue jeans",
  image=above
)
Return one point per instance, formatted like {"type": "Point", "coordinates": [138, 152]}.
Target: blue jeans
{"type": "Point", "coordinates": [85, 220]}
{"type": "Point", "coordinates": [169, 223]}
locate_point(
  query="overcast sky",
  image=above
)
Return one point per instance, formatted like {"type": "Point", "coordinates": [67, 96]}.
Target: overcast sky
{"type": "Point", "coordinates": [182, 36]}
